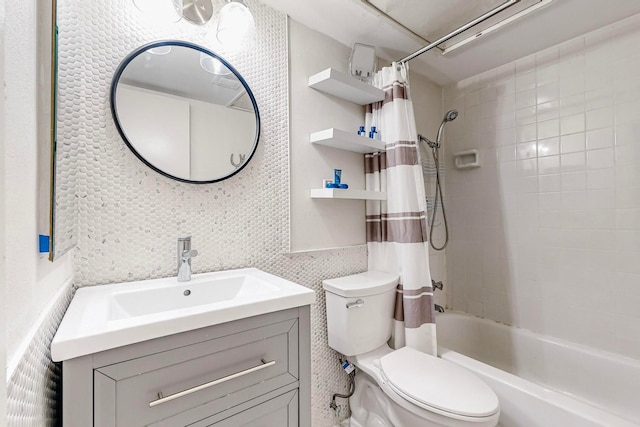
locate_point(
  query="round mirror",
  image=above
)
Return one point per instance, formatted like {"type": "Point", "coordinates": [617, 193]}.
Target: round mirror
{"type": "Point", "coordinates": [185, 112]}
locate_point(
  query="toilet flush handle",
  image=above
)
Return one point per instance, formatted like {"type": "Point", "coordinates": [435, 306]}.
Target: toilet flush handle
{"type": "Point", "coordinates": [356, 304]}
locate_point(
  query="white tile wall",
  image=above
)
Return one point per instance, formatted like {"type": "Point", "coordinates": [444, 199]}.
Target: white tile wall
{"type": "Point", "coordinates": [546, 234]}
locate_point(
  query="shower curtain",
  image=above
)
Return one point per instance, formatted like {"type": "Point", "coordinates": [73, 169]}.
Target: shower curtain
{"type": "Point", "coordinates": [397, 227]}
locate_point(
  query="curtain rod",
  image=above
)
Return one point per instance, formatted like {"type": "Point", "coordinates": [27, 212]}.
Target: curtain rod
{"type": "Point", "coordinates": [465, 27]}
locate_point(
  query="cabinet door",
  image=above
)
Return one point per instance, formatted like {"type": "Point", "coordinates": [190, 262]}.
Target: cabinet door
{"type": "Point", "coordinates": [281, 411]}
{"type": "Point", "coordinates": [199, 380]}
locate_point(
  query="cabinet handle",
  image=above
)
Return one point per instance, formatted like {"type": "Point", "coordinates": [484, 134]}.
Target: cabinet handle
{"type": "Point", "coordinates": [263, 365]}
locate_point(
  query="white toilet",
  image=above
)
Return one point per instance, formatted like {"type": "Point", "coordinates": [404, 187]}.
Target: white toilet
{"type": "Point", "coordinates": [404, 387]}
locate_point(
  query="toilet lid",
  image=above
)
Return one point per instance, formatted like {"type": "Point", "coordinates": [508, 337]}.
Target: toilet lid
{"type": "Point", "coordinates": [431, 382]}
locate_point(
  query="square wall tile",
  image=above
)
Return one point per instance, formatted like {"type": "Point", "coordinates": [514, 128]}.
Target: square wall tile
{"type": "Point", "coordinates": [572, 162]}
{"type": "Point", "coordinates": [548, 128]}
{"type": "Point", "coordinates": [599, 118]}
{"type": "Point", "coordinates": [550, 201]}
{"type": "Point", "coordinates": [600, 159]}
{"type": "Point", "coordinates": [526, 133]}
{"type": "Point", "coordinates": [525, 81]}
{"type": "Point", "coordinates": [627, 219]}
{"type": "Point", "coordinates": [600, 179]}
{"type": "Point", "coordinates": [548, 110]}
{"type": "Point", "coordinates": [526, 98]}
{"type": "Point", "coordinates": [572, 143]}
{"type": "Point", "coordinates": [547, 92]}
{"type": "Point", "coordinates": [627, 176]}
{"type": "Point", "coordinates": [600, 138]}
{"type": "Point", "coordinates": [628, 133]}
{"type": "Point", "coordinates": [548, 146]}
{"type": "Point", "coordinates": [525, 116]}
{"type": "Point", "coordinates": [549, 183]}
{"type": "Point", "coordinates": [528, 150]}
{"type": "Point", "coordinates": [573, 104]}
{"type": "Point", "coordinates": [574, 200]}
{"type": "Point", "coordinates": [628, 241]}
{"type": "Point", "coordinates": [572, 124]}
{"type": "Point", "coordinates": [574, 181]}
{"type": "Point", "coordinates": [548, 165]}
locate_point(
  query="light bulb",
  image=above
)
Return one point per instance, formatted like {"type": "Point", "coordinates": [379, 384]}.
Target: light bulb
{"type": "Point", "coordinates": [160, 50]}
{"type": "Point", "coordinates": [236, 26]}
{"type": "Point", "coordinates": [213, 65]}
{"type": "Point", "coordinates": [160, 11]}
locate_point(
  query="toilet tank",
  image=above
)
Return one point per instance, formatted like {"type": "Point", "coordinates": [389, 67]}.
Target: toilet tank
{"type": "Point", "coordinates": [360, 311]}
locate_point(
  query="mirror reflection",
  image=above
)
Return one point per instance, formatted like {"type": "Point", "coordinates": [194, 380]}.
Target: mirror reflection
{"type": "Point", "coordinates": [185, 112]}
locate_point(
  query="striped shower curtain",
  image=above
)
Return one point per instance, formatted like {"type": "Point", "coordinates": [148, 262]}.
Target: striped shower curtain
{"type": "Point", "coordinates": [397, 227]}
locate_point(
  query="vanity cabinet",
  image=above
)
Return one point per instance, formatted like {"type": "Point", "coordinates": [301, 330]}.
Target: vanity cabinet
{"type": "Point", "coordinates": [249, 372]}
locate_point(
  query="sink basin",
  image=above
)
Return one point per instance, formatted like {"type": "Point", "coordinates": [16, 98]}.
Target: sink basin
{"type": "Point", "coordinates": [178, 296]}
{"type": "Point", "coordinates": [104, 317]}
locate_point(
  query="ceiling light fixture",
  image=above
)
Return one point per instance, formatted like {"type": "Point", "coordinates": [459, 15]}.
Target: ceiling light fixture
{"type": "Point", "coordinates": [236, 26]}
{"type": "Point", "coordinates": [496, 26]}
{"type": "Point", "coordinates": [197, 12]}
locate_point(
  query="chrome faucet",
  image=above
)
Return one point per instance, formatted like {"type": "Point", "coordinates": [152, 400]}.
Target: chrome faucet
{"type": "Point", "coordinates": [185, 253]}
{"type": "Point", "coordinates": [438, 308]}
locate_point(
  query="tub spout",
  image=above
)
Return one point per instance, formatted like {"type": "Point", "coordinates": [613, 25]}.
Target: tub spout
{"type": "Point", "coordinates": [439, 308]}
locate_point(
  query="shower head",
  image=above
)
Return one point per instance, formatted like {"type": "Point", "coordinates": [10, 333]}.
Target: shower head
{"type": "Point", "coordinates": [449, 117]}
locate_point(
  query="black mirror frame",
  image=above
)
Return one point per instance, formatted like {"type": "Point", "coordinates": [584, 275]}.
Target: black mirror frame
{"type": "Point", "coordinates": [114, 112]}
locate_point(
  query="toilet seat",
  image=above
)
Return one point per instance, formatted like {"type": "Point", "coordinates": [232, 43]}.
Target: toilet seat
{"type": "Point", "coordinates": [437, 385]}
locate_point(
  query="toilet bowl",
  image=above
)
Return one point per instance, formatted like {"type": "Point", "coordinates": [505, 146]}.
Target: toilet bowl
{"type": "Point", "coordinates": [403, 387]}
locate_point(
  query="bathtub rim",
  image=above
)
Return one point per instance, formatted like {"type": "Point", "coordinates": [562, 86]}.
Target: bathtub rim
{"type": "Point", "coordinates": [547, 338]}
{"type": "Point", "coordinates": [562, 400]}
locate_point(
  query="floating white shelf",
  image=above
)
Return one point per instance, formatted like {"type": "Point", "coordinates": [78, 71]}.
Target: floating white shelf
{"type": "Point", "coordinates": [346, 87]}
{"type": "Point", "coordinates": [349, 141]}
{"type": "Point", "coordinates": [336, 193]}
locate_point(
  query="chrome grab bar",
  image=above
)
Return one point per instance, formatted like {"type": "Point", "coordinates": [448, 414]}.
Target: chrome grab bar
{"type": "Point", "coordinates": [171, 397]}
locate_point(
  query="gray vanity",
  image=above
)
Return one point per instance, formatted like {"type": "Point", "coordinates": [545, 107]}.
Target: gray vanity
{"type": "Point", "coordinates": [251, 371]}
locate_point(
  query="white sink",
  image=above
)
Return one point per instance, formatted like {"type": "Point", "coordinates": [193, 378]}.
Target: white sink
{"type": "Point", "coordinates": [171, 296]}
{"type": "Point", "coordinates": [109, 316]}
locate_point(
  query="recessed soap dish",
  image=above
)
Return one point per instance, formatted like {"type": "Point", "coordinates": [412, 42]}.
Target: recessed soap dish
{"type": "Point", "coordinates": [466, 159]}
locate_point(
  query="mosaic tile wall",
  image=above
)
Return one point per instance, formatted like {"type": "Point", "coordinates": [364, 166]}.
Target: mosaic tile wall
{"type": "Point", "coordinates": [128, 217]}
{"type": "Point", "coordinates": [32, 389]}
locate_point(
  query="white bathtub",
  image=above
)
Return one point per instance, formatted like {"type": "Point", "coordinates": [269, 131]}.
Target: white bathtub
{"type": "Point", "coordinates": [542, 381]}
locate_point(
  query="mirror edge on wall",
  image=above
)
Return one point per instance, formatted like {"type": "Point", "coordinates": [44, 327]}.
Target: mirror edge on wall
{"type": "Point", "coordinates": [47, 117]}
{"type": "Point", "coordinates": [135, 53]}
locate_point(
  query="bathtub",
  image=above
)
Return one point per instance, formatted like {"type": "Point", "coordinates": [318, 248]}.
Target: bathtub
{"type": "Point", "coordinates": [540, 380]}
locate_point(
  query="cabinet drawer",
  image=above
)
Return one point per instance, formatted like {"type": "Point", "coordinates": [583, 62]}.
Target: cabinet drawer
{"type": "Point", "coordinates": [281, 411]}
{"type": "Point", "coordinates": [220, 373]}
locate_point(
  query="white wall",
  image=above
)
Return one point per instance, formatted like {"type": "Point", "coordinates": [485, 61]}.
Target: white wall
{"type": "Point", "coordinates": [157, 126]}
{"type": "Point", "coordinates": [546, 234]}
{"type": "Point", "coordinates": [216, 133]}
{"type": "Point", "coordinates": [197, 137]}
{"type": "Point", "coordinates": [318, 223]}
{"type": "Point", "coordinates": [30, 281]}
{"type": "Point", "coordinates": [3, 350]}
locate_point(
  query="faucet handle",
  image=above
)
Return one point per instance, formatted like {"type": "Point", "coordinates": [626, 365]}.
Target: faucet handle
{"type": "Point", "coordinates": [436, 285]}
{"type": "Point", "coordinates": [188, 254]}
